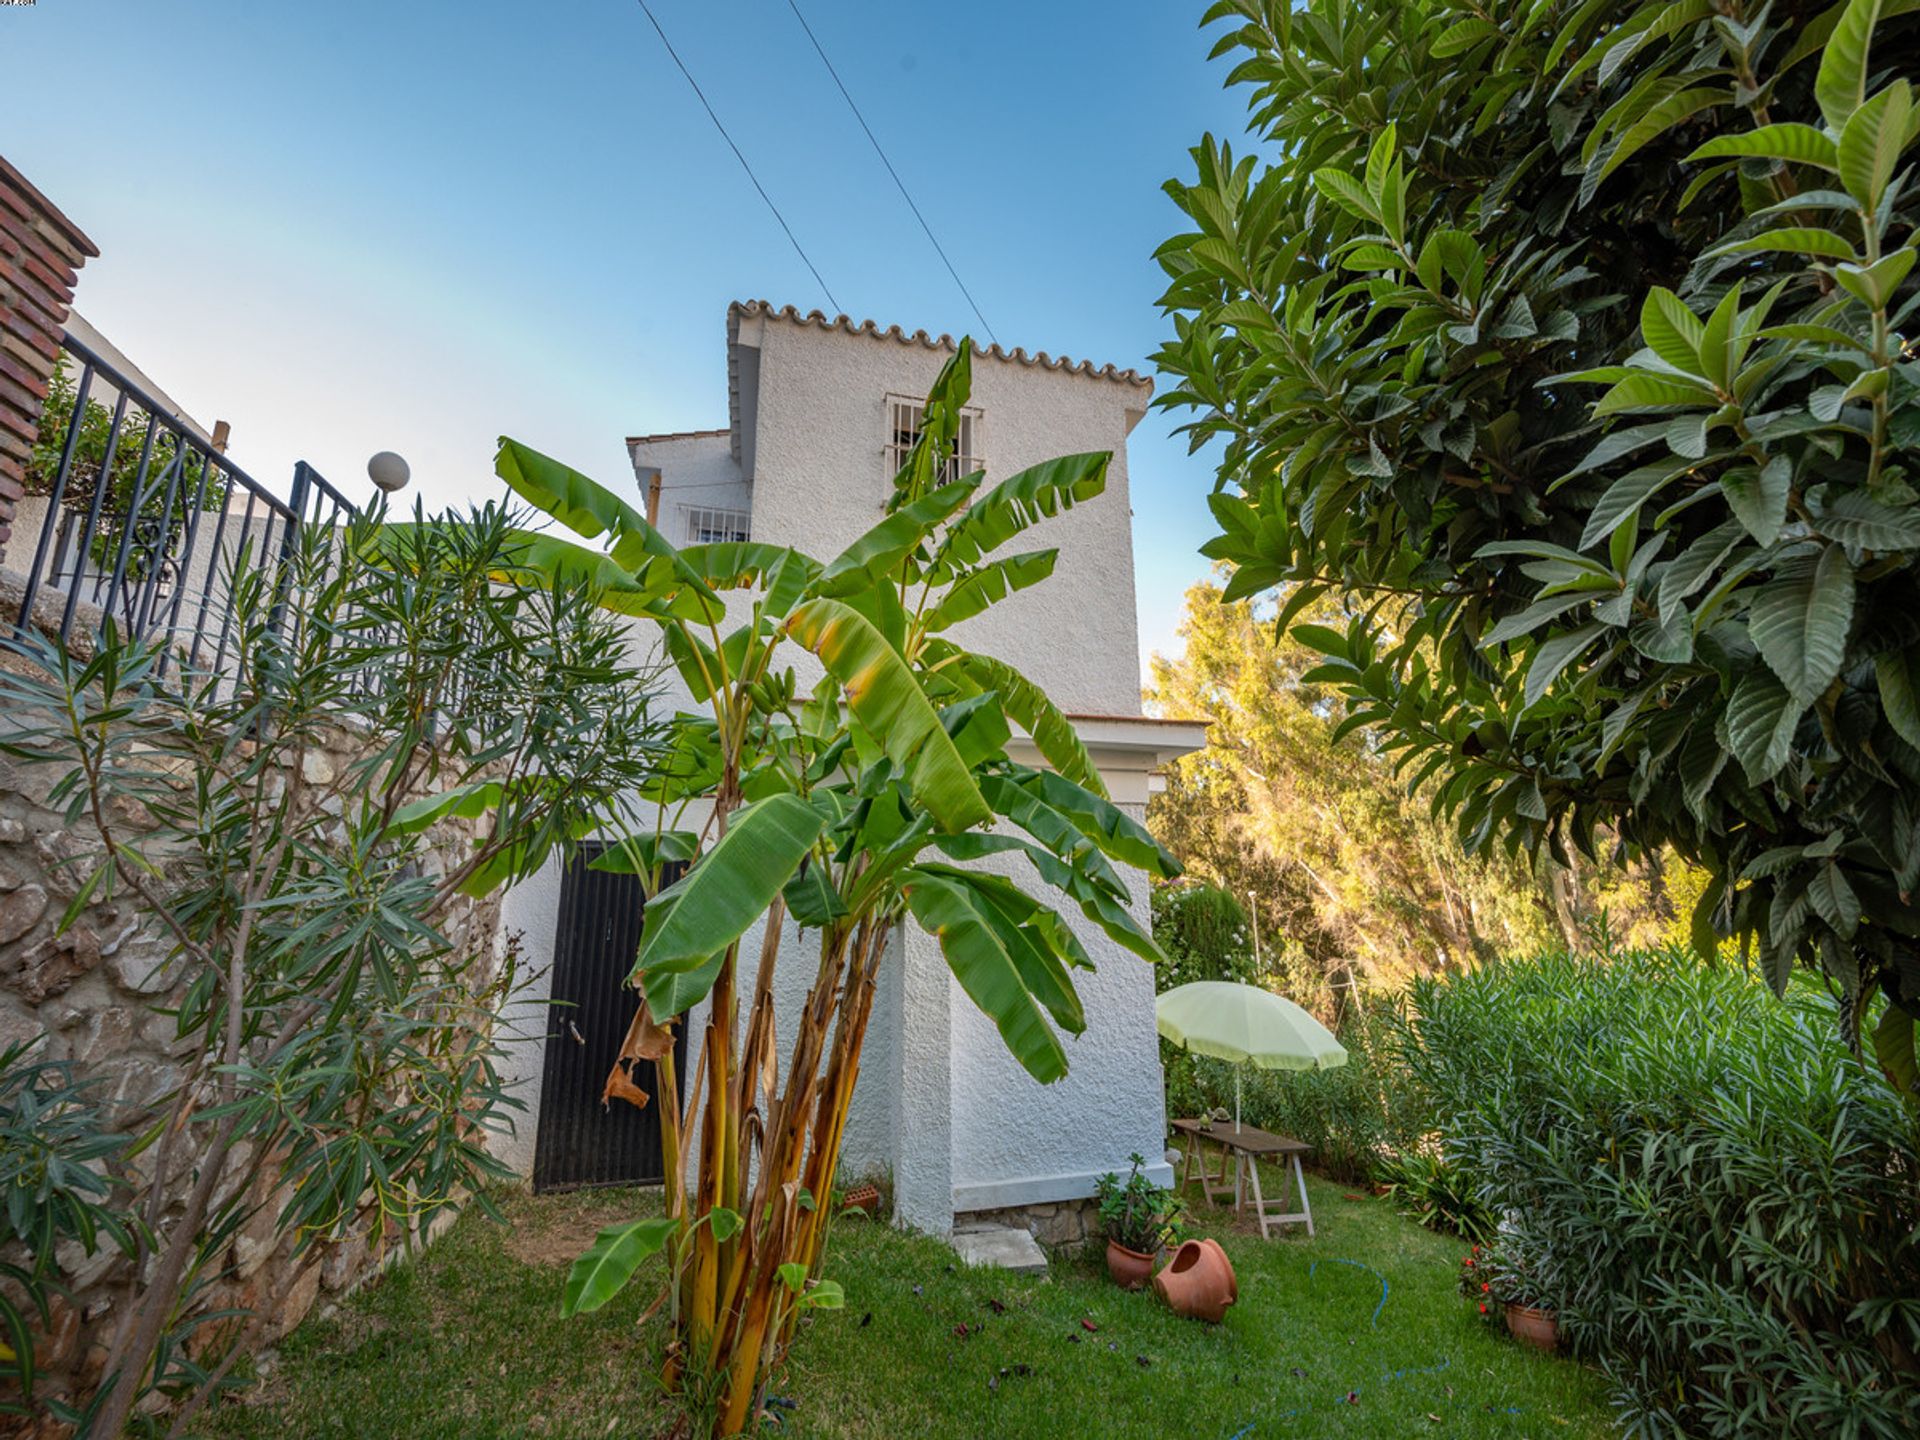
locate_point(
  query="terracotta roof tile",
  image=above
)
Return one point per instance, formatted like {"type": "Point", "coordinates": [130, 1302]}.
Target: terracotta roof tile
{"type": "Point", "coordinates": [818, 319]}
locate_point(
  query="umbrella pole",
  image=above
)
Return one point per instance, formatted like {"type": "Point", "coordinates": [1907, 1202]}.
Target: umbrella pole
{"type": "Point", "coordinates": [1236, 1098]}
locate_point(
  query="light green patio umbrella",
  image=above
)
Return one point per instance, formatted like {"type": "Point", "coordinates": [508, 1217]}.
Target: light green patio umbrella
{"type": "Point", "coordinates": [1244, 1023]}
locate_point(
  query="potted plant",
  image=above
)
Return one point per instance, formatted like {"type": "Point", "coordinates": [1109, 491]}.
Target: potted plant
{"type": "Point", "coordinates": [1509, 1286]}
{"type": "Point", "coordinates": [1139, 1219]}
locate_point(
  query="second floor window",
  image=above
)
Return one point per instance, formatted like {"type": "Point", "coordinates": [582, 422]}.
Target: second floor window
{"type": "Point", "coordinates": [704, 525]}
{"type": "Point", "coordinates": [904, 418]}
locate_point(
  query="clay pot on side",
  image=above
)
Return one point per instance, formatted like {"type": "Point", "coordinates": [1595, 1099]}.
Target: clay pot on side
{"type": "Point", "coordinates": [1198, 1282]}
{"type": "Point", "coordinates": [1129, 1268]}
{"type": "Point", "coordinates": [1537, 1328]}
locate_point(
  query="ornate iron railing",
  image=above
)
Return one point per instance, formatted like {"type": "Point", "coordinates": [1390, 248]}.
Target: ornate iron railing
{"type": "Point", "coordinates": [146, 524]}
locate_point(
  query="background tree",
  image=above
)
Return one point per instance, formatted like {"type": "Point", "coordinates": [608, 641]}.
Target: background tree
{"type": "Point", "coordinates": [1355, 881]}
{"type": "Point", "coordinates": [848, 811]}
{"type": "Point", "coordinates": [1562, 346]}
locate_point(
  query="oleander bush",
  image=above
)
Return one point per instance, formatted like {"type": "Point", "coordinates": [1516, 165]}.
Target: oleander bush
{"type": "Point", "coordinates": [1722, 1202]}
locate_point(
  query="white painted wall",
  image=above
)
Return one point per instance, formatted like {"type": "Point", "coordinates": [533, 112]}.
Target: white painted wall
{"type": "Point", "coordinates": [939, 1101]}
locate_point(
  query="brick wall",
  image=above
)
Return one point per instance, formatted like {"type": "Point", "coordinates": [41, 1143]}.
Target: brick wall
{"type": "Point", "coordinates": [41, 252]}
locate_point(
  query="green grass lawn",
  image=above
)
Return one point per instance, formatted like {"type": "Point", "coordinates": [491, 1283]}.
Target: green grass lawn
{"type": "Point", "coordinates": [469, 1343]}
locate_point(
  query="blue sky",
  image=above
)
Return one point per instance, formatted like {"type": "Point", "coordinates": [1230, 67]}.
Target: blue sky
{"type": "Point", "coordinates": [366, 224]}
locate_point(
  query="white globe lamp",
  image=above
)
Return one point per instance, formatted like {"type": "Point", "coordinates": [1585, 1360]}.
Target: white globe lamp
{"type": "Point", "coordinates": [389, 471]}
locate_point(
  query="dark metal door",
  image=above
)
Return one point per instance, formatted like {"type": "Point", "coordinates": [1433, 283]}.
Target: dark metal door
{"type": "Point", "coordinates": [581, 1142]}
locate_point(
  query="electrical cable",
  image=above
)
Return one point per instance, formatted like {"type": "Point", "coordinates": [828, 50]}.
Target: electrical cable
{"type": "Point", "coordinates": [707, 106]}
{"type": "Point", "coordinates": [900, 184]}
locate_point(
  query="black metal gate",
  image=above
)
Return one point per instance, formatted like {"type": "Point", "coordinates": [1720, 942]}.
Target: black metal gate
{"type": "Point", "coordinates": [581, 1142]}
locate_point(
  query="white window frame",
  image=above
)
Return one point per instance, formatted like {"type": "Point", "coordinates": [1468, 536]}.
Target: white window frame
{"type": "Point", "coordinates": [903, 417]}
{"type": "Point", "coordinates": [715, 524]}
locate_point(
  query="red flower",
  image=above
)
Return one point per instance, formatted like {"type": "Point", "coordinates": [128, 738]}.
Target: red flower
{"type": "Point", "coordinates": [1469, 1264]}
{"type": "Point", "coordinates": [1483, 1307]}
{"type": "Point", "coordinates": [1485, 1287]}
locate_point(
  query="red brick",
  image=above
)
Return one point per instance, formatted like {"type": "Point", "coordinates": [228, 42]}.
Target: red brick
{"type": "Point", "coordinates": [70, 233]}
{"type": "Point", "coordinates": [31, 298]}
{"type": "Point", "coordinates": [14, 420]}
{"type": "Point", "coordinates": [36, 379]}
{"type": "Point", "coordinates": [35, 337]}
{"type": "Point", "coordinates": [19, 236]}
{"type": "Point", "coordinates": [37, 273]}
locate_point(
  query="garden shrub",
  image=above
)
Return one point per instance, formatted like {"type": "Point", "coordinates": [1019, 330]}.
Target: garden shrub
{"type": "Point", "coordinates": [1720, 1202]}
{"type": "Point", "coordinates": [1203, 934]}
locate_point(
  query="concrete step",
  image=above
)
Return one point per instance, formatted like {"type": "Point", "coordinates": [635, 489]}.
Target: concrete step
{"type": "Point", "coordinates": [1001, 1246]}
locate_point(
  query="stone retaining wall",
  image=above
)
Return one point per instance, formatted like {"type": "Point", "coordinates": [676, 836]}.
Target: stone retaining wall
{"type": "Point", "coordinates": [1063, 1225]}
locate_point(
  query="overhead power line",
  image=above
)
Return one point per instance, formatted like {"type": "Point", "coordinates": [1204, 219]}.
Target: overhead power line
{"type": "Point", "coordinates": [898, 182]}
{"type": "Point", "coordinates": [708, 107]}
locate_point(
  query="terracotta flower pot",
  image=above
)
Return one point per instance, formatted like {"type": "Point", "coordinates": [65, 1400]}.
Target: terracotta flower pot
{"type": "Point", "coordinates": [1532, 1326]}
{"type": "Point", "coordinates": [1129, 1268]}
{"type": "Point", "coordinates": [1199, 1282]}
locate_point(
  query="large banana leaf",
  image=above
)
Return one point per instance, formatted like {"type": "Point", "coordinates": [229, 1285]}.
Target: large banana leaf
{"type": "Point", "coordinates": [589, 509]}
{"type": "Point", "coordinates": [581, 504]}
{"type": "Point", "coordinates": [1101, 821]}
{"type": "Point", "coordinates": [691, 925]}
{"type": "Point", "coordinates": [975, 943]}
{"type": "Point", "coordinates": [1053, 734]}
{"type": "Point", "coordinates": [878, 553]}
{"type": "Point", "coordinates": [1018, 502]}
{"type": "Point", "coordinates": [782, 573]}
{"type": "Point", "coordinates": [991, 583]}
{"type": "Point", "coordinates": [1097, 901]}
{"type": "Point", "coordinates": [528, 554]}
{"type": "Point", "coordinates": [886, 698]}
{"type": "Point", "coordinates": [939, 424]}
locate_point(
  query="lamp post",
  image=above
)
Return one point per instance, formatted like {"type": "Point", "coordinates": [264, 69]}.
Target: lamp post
{"type": "Point", "coordinates": [388, 471]}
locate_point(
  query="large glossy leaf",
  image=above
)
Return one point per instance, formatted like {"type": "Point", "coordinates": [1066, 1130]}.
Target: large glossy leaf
{"type": "Point", "coordinates": [600, 1274]}
{"type": "Point", "coordinates": [1109, 827]}
{"type": "Point", "coordinates": [1761, 718]}
{"type": "Point", "coordinates": [1841, 83]}
{"type": "Point", "coordinates": [1799, 622]}
{"type": "Point", "coordinates": [587, 508]}
{"type": "Point", "coordinates": [1026, 704]}
{"type": "Point", "coordinates": [1017, 503]}
{"type": "Point", "coordinates": [531, 555]}
{"type": "Point", "coordinates": [878, 553]}
{"type": "Point", "coordinates": [1802, 144]}
{"type": "Point", "coordinates": [712, 906]}
{"type": "Point", "coordinates": [782, 574]}
{"type": "Point", "coordinates": [1871, 145]}
{"type": "Point", "coordinates": [976, 951]}
{"type": "Point", "coordinates": [988, 585]}
{"type": "Point", "coordinates": [886, 697]}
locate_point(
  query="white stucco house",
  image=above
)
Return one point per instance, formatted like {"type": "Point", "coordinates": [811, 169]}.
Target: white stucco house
{"type": "Point", "coordinates": [819, 413]}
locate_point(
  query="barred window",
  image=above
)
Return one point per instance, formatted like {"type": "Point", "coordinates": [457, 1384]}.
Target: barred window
{"type": "Point", "coordinates": [904, 417]}
{"type": "Point", "coordinates": [704, 525]}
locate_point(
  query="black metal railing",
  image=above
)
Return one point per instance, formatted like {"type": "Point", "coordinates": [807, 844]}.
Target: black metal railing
{"type": "Point", "coordinates": [146, 524]}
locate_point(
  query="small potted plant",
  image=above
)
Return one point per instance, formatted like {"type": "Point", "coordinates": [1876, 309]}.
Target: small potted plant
{"type": "Point", "coordinates": [1509, 1287]}
{"type": "Point", "coordinates": [1139, 1219]}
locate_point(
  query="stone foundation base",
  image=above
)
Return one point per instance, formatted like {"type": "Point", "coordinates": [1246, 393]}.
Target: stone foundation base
{"type": "Point", "coordinates": [1064, 1225]}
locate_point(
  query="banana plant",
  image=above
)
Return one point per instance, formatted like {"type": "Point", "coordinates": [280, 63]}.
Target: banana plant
{"type": "Point", "coordinates": [872, 800]}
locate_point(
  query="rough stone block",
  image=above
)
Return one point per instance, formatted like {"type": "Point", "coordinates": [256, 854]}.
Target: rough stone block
{"type": "Point", "coordinates": [1004, 1248]}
